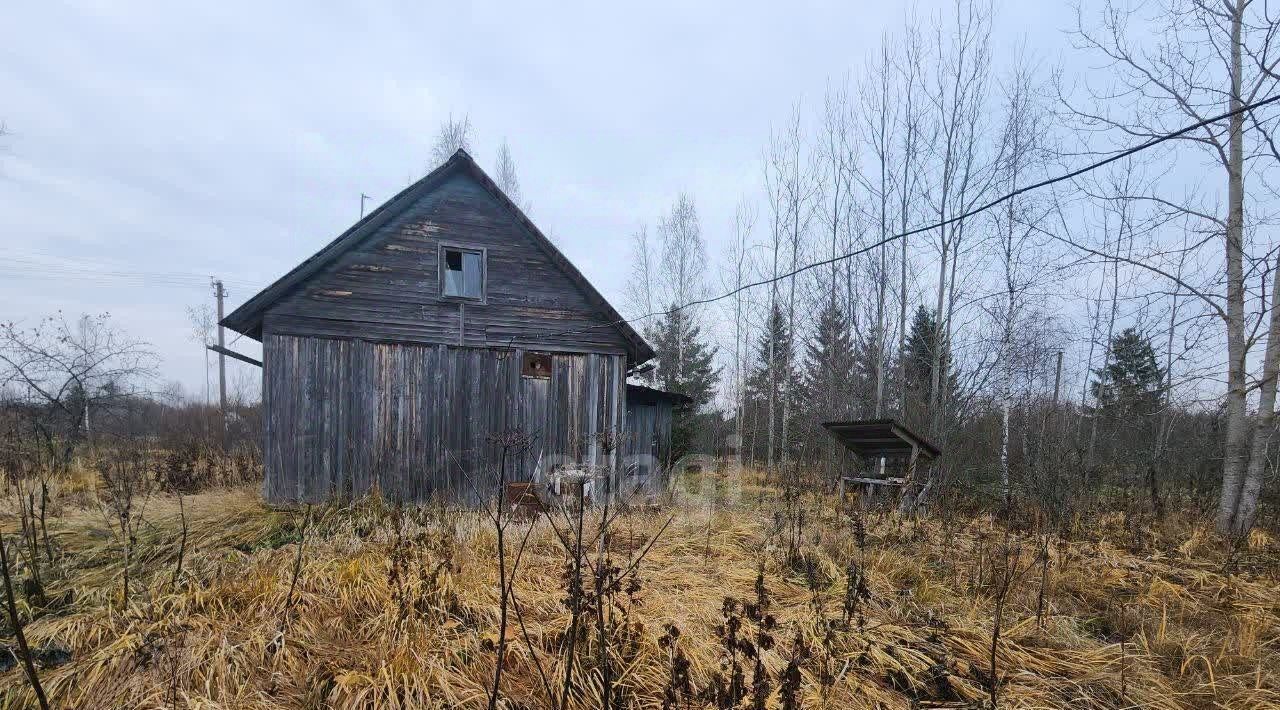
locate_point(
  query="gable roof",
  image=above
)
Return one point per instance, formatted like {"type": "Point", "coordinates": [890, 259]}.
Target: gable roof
{"type": "Point", "coordinates": [247, 319]}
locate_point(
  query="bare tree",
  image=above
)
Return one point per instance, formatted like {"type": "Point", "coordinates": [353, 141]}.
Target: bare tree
{"type": "Point", "coordinates": [504, 174]}
{"type": "Point", "coordinates": [739, 266]}
{"type": "Point", "coordinates": [958, 177]}
{"type": "Point", "coordinates": [203, 320]}
{"type": "Point", "coordinates": [879, 119]}
{"type": "Point", "coordinates": [683, 255]}
{"type": "Point", "coordinates": [1210, 56]}
{"type": "Point", "coordinates": [790, 191]}
{"type": "Point", "coordinates": [641, 282]}
{"type": "Point", "coordinates": [910, 71]}
{"type": "Point", "coordinates": [1020, 262]}
{"type": "Point", "coordinates": [70, 369]}
{"type": "Point", "coordinates": [454, 135]}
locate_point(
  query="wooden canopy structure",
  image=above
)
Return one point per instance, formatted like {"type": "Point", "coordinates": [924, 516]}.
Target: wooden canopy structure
{"type": "Point", "coordinates": [882, 438]}
{"type": "Point", "coordinates": [888, 439]}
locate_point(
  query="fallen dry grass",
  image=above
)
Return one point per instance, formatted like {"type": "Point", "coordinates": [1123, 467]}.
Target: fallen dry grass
{"type": "Point", "coordinates": [1177, 625]}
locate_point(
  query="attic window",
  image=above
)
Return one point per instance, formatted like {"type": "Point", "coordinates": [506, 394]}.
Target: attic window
{"type": "Point", "coordinates": [462, 273]}
{"type": "Point", "coordinates": [536, 365]}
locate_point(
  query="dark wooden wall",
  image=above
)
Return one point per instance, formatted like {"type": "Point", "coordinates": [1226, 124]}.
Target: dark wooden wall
{"type": "Point", "coordinates": [345, 416]}
{"type": "Point", "coordinates": [387, 288]}
{"type": "Point", "coordinates": [647, 448]}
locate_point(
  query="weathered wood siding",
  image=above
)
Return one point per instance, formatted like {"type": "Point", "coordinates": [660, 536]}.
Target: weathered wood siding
{"type": "Point", "coordinates": [346, 416]}
{"type": "Point", "coordinates": [388, 287]}
{"type": "Point", "coordinates": [647, 451]}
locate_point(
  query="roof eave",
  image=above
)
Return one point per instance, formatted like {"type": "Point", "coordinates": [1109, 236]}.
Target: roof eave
{"type": "Point", "coordinates": [247, 319]}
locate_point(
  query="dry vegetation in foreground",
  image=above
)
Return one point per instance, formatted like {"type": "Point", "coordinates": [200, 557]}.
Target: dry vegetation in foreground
{"type": "Point", "coordinates": [389, 608]}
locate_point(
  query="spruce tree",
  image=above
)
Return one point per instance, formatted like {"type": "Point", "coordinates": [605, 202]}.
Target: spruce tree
{"type": "Point", "coordinates": [1132, 381]}
{"type": "Point", "coordinates": [685, 366]}
{"type": "Point", "coordinates": [862, 388]}
{"type": "Point", "coordinates": [918, 368]}
{"type": "Point", "coordinates": [829, 366]}
{"type": "Point", "coordinates": [777, 378]}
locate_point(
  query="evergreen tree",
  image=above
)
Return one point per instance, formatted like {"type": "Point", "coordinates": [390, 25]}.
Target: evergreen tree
{"type": "Point", "coordinates": [685, 366]}
{"type": "Point", "coordinates": [829, 366]}
{"type": "Point", "coordinates": [1132, 381]}
{"type": "Point", "coordinates": [918, 369]}
{"type": "Point", "coordinates": [777, 378]}
{"type": "Point", "coordinates": [828, 386]}
{"type": "Point", "coordinates": [863, 384]}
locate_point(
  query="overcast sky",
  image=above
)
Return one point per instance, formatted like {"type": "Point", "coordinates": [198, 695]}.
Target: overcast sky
{"type": "Point", "coordinates": [153, 145]}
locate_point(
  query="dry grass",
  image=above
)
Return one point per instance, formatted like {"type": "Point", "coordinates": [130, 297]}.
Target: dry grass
{"type": "Point", "coordinates": [1166, 628]}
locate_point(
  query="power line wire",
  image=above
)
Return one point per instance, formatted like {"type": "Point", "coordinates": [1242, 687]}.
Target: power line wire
{"type": "Point", "coordinates": [37, 261]}
{"type": "Point", "coordinates": [24, 268]}
{"type": "Point", "coordinates": [936, 225]}
{"type": "Point", "coordinates": [86, 271]}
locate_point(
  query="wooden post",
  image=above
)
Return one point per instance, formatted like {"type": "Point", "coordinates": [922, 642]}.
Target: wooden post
{"type": "Point", "coordinates": [1057, 387]}
{"type": "Point", "coordinates": [1052, 421]}
{"type": "Point", "coordinates": [908, 500]}
{"type": "Point", "coordinates": [219, 293]}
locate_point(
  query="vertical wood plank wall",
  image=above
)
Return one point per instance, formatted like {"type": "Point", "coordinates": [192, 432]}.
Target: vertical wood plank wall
{"type": "Point", "coordinates": [647, 448]}
{"type": "Point", "coordinates": [346, 416]}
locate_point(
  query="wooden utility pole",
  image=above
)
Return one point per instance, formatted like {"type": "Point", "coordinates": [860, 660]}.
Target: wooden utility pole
{"type": "Point", "coordinates": [219, 293]}
{"type": "Point", "coordinates": [1052, 421]}
{"type": "Point", "coordinates": [1057, 385]}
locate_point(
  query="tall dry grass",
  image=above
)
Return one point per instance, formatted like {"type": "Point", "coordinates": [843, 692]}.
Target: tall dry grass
{"type": "Point", "coordinates": [400, 611]}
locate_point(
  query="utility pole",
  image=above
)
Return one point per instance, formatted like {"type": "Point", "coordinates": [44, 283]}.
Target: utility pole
{"type": "Point", "coordinates": [363, 197]}
{"type": "Point", "coordinates": [219, 293]}
{"type": "Point", "coordinates": [1054, 421]}
{"type": "Point", "coordinates": [1057, 384]}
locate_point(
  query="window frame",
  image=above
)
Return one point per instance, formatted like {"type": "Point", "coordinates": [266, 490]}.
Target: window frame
{"type": "Point", "coordinates": [442, 265]}
{"type": "Point", "coordinates": [530, 356]}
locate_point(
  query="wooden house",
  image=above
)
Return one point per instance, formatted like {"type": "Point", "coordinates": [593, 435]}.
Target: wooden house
{"type": "Point", "coordinates": [394, 355]}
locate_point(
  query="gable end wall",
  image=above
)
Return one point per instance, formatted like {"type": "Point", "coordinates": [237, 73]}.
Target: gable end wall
{"type": "Point", "coordinates": [387, 288]}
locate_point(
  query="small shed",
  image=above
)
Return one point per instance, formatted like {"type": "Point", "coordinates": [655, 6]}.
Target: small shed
{"type": "Point", "coordinates": [648, 441]}
{"type": "Point", "coordinates": [888, 439]}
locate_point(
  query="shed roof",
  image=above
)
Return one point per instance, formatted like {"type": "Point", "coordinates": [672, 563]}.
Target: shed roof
{"type": "Point", "coordinates": [876, 438]}
{"type": "Point", "coordinates": [247, 319]}
{"type": "Point", "coordinates": [648, 395]}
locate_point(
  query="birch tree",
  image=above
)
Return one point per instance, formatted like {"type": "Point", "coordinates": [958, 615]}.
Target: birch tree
{"type": "Point", "coordinates": [1207, 57]}
{"type": "Point", "coordinates": [958, 177]}
{"type": "Point", "coordinates": [738, 268]}
{"type": "Point", "coordinates": [879, 114]}
{"type": "Point", "coordinates": [789, 190]}
{"type": "Point", "coordinates": [1015, 225]}
{"type": "Point", "coordinates": [909, 70]}
{"type": "Point", "coordinates": [504, 175]}
{"type": "Point", "coordinates": [454, 135]}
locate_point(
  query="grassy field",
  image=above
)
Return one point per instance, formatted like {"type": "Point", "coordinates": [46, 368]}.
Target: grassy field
{"type": "Point", "coordinates": [390, 610]}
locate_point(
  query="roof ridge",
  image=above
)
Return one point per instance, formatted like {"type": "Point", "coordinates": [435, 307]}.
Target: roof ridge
{"type": "Point", "coordinates": [247, 318]}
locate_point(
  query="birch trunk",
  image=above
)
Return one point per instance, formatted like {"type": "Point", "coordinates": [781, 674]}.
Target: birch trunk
{"type": "Point", "coordinates": [1237, 429]}
{"type": "Point", "coordinates": [1251, 486]}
